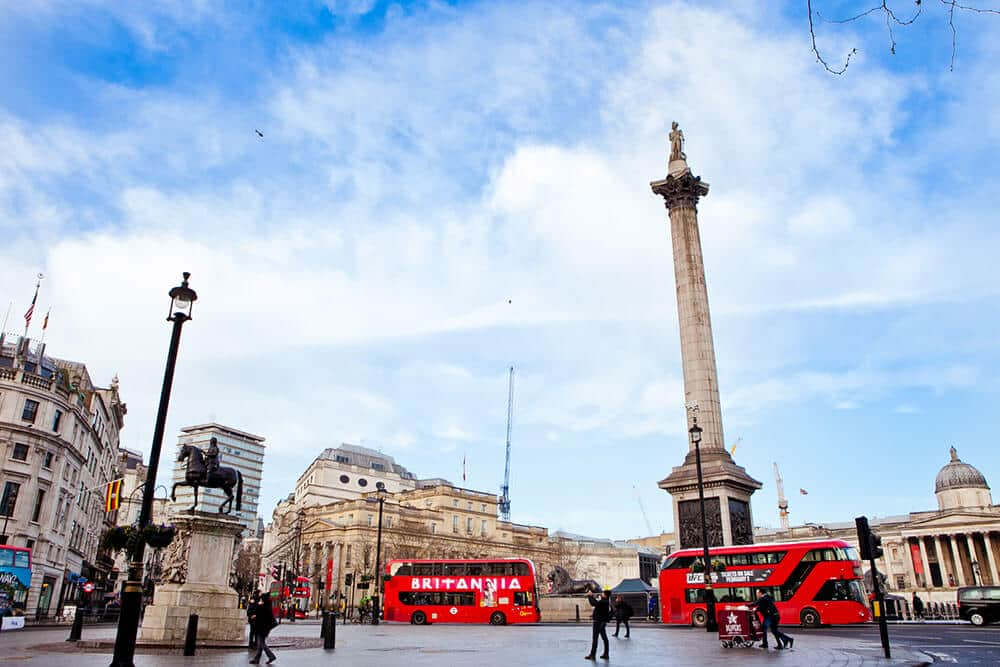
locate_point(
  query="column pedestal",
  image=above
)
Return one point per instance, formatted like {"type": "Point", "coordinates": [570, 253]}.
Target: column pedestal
{"type": "Point", "coordinates": [196, 568]}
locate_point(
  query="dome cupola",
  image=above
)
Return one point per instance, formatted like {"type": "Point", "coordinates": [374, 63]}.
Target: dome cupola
{"type": "Point", "coordinates": [961, 485]}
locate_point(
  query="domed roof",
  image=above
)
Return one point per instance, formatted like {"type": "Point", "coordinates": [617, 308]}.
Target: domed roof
{"type": "Point", "coordinates": [958, 475]}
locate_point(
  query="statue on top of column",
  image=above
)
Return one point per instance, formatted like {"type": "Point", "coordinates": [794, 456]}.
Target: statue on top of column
{"type": "Point", "coordinates": [676, 144]}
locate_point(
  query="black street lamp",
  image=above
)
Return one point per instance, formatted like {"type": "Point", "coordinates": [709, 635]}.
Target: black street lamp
{"type": "Point", "coordinates": [8, 508]}
{"type": "Point", "coordinates": [377, 598]}
{"type": "Point", "coordinates": [710, 622]}
{"type": "Point", "coordinates": [182, 300]}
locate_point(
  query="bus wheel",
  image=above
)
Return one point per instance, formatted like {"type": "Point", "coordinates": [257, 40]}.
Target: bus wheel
{"type": "Point", "coordinates": [496, 618]}
{"type": "Point", "coordinates": [699, 618]}
{"type": "Point", "coordinates": [809, 618]}
{"type": "Point", "coordinates": [418, 618]}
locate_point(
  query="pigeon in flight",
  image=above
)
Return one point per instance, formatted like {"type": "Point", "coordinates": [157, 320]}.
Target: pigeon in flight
{"type": "Point", "coordinates": [259, 133]}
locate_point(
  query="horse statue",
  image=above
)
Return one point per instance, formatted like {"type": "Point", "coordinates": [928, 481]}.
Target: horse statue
{"type": "Point", "coordinates": [202, 473]}
{"type": "Point", "coordinates": [561, 582]}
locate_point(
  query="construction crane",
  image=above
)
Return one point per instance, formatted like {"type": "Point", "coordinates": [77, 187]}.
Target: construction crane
{"type": "Point", "coordinates": [504, 504]}
{"type": "Point", "coordinates": [782, 502]}
{"type": "Point", "coordinates": [642, 508]}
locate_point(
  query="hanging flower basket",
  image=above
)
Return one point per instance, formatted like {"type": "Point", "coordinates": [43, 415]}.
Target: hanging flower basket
{"type": "Point", "coordinates": [158, 537]}
{"type": "Point", "coordinates": [118, 538]}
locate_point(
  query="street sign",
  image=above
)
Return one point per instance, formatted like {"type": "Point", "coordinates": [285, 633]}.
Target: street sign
{"type": "Point", "coordinates": [363, 586]}
{"type": "Point", "coordinates": [88, 587]}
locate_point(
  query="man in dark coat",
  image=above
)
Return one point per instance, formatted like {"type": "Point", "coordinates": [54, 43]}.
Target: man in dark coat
{"type": "Point", "coordinates": [623, 612]}
{"type": "Point", "coordinates": [601, 616]}
{"type": "Point", "coordinates": [769, 620]}
{"type": "Point", "coordinates": [251, 612]}
{"type": "Point", "coordinates": [263, 622]}
{"type": "Point", "coordinates": [918, 607]}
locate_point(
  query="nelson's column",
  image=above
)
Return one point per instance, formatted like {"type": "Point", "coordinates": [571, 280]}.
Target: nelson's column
{"type": "Point", "coordinates": [727, 486]}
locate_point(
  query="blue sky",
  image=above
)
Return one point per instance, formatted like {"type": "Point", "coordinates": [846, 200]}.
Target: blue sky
{"type": "Point", "coordinates": [446, 188]}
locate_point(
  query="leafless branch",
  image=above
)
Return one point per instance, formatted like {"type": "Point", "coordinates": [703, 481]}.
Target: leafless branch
{"type": "Point", "coordinates": [891, 19]}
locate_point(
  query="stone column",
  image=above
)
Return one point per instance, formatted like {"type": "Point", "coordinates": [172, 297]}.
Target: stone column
{"type": "Point", "coordinates": [727, 486]}
{"type": "Point", "coordinates": [973, 559]}
{"type": "Point", "coordinates": [940, 562]}
{"type": "Point", "coordinates": [957, 557]}
{"type": "Point", "coordinates": [908, 561]}
{"type": "Point", "coordinates": [923, 561]}
{"type": "Point", "coordinates": [987, 542]}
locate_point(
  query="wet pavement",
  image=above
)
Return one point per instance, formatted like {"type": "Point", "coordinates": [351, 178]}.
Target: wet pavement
{"type": "Point", "coordinates": [389, 645]}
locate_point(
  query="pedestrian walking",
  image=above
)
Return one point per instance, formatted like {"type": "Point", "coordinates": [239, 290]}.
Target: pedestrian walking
{"type": "Point", "coordinates": [600, 616]}
{"type": "Point", "coordinates": [263, 622]}
{"type": "Point", "coordinates": [623, 612]}
{"type": "Point", "coordinates": [251, 612]}
{"type": "Point", "coordinates": [918, 607]}
{"type": "Point", "coordinates": [770, 618]}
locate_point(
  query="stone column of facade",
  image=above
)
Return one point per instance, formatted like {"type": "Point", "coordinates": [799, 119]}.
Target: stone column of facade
{"type": "Point", "coordinates": [727, 486]}
{"type": "Point", "coordinates": [923, 561]}
{"type": "Point", "coordinates": [973, 559]}
{"type": "Point", "coordinates": [991, 558]}
{"type": "Point", "coordinates": [948, 570]}
{"type": "Point", "coordinates": [908, 560]}
{"type": "Point", "coordinates": [940, 562]}
{"type": "Point", "coordinates": [957, 558]}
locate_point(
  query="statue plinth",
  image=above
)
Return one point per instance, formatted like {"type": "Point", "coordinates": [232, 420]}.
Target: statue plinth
{"type": "Point", "coordinates": [196, 568]}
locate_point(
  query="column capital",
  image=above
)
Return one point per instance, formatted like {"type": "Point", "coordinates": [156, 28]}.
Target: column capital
{"type": "Point", "coordinates": [681, 191]}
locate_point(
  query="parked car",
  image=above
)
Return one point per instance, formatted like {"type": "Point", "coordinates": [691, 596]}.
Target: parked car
{"type": "Point", "coordinates": [979, 604]}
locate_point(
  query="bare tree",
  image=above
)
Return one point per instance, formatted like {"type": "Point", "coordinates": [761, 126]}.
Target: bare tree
{"type": "Point", "coordinates": [247, 568]}
{"type": "Point", "coordinates": [894, 19]}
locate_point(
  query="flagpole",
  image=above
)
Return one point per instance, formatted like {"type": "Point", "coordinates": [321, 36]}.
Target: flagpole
{"type": "Point", "coordinates": [31, 308]}
{"type": "Point", "coordinates": [6, 317]}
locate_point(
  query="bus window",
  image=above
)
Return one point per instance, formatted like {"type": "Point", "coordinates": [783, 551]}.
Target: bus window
{"type": "Point", "coordinates": [400, 569]}
{"type": "Point", "coordinates": [453, 569]}
{"type": "Point", "coordinates": [7, 558]}
{"type": "Point", "coordinates": [521, 569]}
{"type": "Point", "coordinates": [522, 599]}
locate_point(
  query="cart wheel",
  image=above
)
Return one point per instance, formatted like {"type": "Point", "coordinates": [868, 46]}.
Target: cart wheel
{"type": "Point", "coordinates": [727, 644]}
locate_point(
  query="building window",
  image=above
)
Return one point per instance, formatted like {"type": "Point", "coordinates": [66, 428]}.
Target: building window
{"type": "Point", "coordinates": [56, 421]}
{"type": "Point", "coordinates": [454, 503]}
{"type": "Point", "coordinates": [370, 519]}
{"type": "Point", "coordinates": [30, 544]}
{"type": "Point", "coordinates": [9, 501]}
{"type": "Point", "coordinates": [434, 528]}
{"type": "Point", "coordinates": [39, 499]}
{"type": "Point", "coordinates": [47, 463]}
{"type": "Point", "coordinates": [30, 410]}
{"type": "Point", "coordinates": [347, 557]}
{"type": "Point", "coordinates": [342, 459]}
{"type": "Point", "coordinates": [482, 508]}
{"type": "Point", "coordinates": [344, 479]}
{"type": "Point", "coordinates": [362, 482]}
{"type": "Point", "coordinates": [485, 526]}
{"type": "Point", "coordinates": [20, 452]}
{"type": "Point", "coordinates": [470, 505]}
{"type": "Point", "coordinates": [377, 466]}
{"type": "Point", "coordinates": [468, 525]}
{"type": "Point", "coordinates": [388, 522]}
{"type": "Point", "coordinates": [454, 523]}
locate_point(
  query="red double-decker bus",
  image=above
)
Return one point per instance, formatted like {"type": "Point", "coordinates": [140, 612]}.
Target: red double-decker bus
{"type": "Point", "coordinates": [813, 583]}
{"type": "Point", "coordinates": [495, 591]}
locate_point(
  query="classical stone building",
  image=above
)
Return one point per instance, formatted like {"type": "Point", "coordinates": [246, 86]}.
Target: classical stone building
{"type": "Point", "coordinates": [132, 470]}
{"type": "Point", "coordinates": [59, 437]}
{"type": "Point", "coordinates": [935, 551]}
{"type": "Point", "coordinates": [329, 541]}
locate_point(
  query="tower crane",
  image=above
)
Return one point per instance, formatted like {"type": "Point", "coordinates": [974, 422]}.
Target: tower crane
{"type": "Point", "coordinates": [504, 503]}
{"type": "Point", "coordinates": [642, 508]}
{"type": "Point", "coordinates": [782, 502]}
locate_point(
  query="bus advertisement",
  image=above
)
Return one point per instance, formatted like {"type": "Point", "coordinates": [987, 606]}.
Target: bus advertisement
{"type": "Point", "coordinates": [495, 591]}
{"type": "Point", "coordinates": [15, 579]}
{"type": "Point", "coordinates": [813, 583]}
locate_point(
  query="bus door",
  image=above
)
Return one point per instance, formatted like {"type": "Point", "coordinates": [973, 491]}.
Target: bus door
{"type": "Point", "coordinates": [675, 609]}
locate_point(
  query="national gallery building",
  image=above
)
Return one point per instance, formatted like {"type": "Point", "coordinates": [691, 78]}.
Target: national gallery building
{"type": "Point", "coordinates": [931, 553]}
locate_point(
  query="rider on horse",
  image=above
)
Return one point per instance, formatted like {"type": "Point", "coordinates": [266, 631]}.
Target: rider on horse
{"type": "Point", "coordinates": [211, 459]}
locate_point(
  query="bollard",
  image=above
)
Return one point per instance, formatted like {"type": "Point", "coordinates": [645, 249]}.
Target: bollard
{"type": "Point", "coordinates": [577, 613]}
{"type": "Point", "coordinates": [191, 636]}
{"type": "Point", "coordinates": [322, 626]}
{"type": "Point", "coordinates": [77, 629]}
{"type": "Point", "coordinates": [330, 631]}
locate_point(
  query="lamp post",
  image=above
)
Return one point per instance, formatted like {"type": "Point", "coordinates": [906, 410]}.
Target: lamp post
{"type": "Point", "coordinates": [8, 507]}
{"type": "Point", "coordinates": [182, 300]}
{"type": "Point", "coordinates": [377, 598]}
{"type": "Point", "coordinates": [710, 623]}
{"type": "Point", "coordinates": [977, 577]}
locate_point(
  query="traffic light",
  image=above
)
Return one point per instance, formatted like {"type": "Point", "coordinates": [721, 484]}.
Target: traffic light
{"type": "Point", "coordinates": [349, 579]}
{"type": "Point", "coordinates": [276, 571]}
{"type": "Point", "coordinates": [870, 543]}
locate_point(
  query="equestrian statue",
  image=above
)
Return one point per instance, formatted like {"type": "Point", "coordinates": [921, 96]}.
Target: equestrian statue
{"type": "Point", "coordinates": [561, 582]}
{"type": "Point", "coordinates": [203, 470]}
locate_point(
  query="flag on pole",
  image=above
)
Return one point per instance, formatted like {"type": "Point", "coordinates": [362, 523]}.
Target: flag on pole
{"type": "Point", "coordinates": [803, 492]}
{"type": "Point", "coordinates": [45, 324]}
{"type": "Point", "coordinates": [463, 467]}
{"type": "Point", "coordinates": [31, 308]}
{"type": "Point", "coordinates": [113, 495]}
{"type": "Point", "coordinates": [732, 450]}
